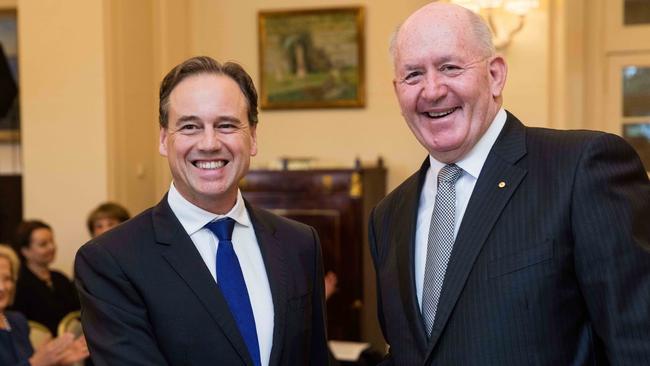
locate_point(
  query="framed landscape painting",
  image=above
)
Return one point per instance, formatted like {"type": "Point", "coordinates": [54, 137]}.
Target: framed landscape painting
{"type": "Point", "coordinates": [9, 116]}
{"type": "Point", "coordinates": [312, 58]}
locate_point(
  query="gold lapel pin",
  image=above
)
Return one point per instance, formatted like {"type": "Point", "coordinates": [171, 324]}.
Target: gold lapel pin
{"type": "Point", "coordinates": [502, 184]}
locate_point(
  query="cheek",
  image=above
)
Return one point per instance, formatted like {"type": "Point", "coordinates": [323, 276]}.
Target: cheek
{"type": "Point", "coordinates": [407, 97]}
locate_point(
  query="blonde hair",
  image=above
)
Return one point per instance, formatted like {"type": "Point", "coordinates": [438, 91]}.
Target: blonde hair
{"type": "Point", "coordinates": [7, 252]}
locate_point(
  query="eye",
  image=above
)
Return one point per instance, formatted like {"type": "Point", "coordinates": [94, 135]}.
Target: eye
{"type": "Point", "coordinates": [188, 128]}
{"type": "Point", "coordinates": [450, 69]}
{"type": "Point", "coordinates": [228, 126]}
{"type": "Point", "coordinates": [412, 77]}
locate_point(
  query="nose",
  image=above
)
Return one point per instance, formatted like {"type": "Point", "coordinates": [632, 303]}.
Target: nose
{"type": "Point", "coordinates": [435, 87]}
{"type": "Point", "coordinates": [210, 140]}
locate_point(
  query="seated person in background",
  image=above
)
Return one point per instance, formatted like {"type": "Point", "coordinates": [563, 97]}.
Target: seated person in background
{"type": "Point", "coordinates": [42, 294]}
{"type": "Point", "coordinates": [331, 284]}
{"type": "Point", "coordinates": [15, 348]}
{"type": "Point", "coordinates": [105, 217]}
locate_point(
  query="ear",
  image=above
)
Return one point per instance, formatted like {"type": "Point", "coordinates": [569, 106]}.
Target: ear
{"type": "Point", "coordinates": [162, 146]}
{"type": "Point", "coordinates": [253, 140]}
{"type": "Point", "coordinates": [25, 251]}
{"type": "Point", "coordinates": [498, 72]}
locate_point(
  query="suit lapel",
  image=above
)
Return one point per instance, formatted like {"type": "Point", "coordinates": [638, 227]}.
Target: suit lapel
{"type": "Point", "coordinates": [182, 256]}
{"type": "Point", "coordinates": [276, 271]}
{"type": "Point", "coordinates": [404, 239]}
{"type": "Point", "coordinates": [484, 208]}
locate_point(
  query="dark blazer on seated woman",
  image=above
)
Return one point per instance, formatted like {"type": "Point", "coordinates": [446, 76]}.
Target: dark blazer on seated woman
{"type": "Point", "coordinates": [42, 303]}
{"type": "Point", "coordinates": [15, 347]}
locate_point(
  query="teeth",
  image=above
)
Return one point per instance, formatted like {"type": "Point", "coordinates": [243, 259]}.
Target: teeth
{"type": "Point", "coordinates": [210, 164]}
{"type": "Point", "coordinates": [440, 114]}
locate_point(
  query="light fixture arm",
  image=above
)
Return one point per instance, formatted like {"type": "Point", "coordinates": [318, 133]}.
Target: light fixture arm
{"type": "Point", "coordinates": [502, 37]}
{"type": "Point", "coordinates": [498, 14]}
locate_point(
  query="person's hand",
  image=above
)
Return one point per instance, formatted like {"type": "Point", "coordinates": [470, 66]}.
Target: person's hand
{"type": "Point", "coordinates": [52, 352]}
{"type": "Point", "coordinates": [330, 284]}
{"type": "Point", "coordinates": [61, 351]}
{"type": "Point", "coordinates": [76, 352]}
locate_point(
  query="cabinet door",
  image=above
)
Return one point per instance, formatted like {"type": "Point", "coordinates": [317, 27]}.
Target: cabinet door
{"type": "Point", "coordinates": [11, 207]}
{"type": "Point", "coordinates": [341, 244]}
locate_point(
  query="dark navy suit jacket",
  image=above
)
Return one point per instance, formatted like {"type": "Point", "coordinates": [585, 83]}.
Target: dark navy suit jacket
{"type": "Point", "coordinates": [16, 348]}
{"type": "Point", "coordinates": [148, 299]}
{"type": "Point", "coordinates": [552, 269]}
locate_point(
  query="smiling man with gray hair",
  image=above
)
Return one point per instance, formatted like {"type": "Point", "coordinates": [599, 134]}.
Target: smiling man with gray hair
{"type": "Point", "coordinates": [512, 245]}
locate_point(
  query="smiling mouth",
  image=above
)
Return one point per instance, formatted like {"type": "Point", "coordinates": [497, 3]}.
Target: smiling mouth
{"type": "Point", "coordinates": [441, 114]}
{"type": "Point", "coordinates": [210, 165]}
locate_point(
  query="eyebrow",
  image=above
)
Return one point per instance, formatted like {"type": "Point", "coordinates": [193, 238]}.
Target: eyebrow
{"type": "Point", "coordinates": [228, 119]}
{"type": "Point", "coordinates": [193, 118]}
{"type": "Point", "coordinates": [437, 61]}
{"type": "Point", "coordinates": [190, 118]}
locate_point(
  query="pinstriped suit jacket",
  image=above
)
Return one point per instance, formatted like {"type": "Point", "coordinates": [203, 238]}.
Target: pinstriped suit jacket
{"type": "Point", "coordinates": [552, 269]}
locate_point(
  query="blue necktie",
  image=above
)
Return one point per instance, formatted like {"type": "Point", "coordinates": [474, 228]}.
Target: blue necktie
{"type": "Point", "coordinates": [233, 287]}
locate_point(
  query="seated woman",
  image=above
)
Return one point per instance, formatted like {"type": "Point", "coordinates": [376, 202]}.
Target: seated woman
{"type": "Point", "coordinates": [42, 294]}
{"type": "Point", "coordinates": [105, 217]}
{"type": "Point", "coordinates": [15, 348]}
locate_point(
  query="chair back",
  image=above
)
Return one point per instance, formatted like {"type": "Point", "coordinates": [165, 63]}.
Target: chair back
{"type": "Point", "coordinates": [38, 334]}
{"type": "Point", "coordinates": [71, 323]}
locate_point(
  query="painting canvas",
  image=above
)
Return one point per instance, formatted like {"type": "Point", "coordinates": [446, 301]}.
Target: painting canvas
{"type": "Point", "coordinates": [9, 111]}
{"type": "Point", "coordinates": [312, 58]}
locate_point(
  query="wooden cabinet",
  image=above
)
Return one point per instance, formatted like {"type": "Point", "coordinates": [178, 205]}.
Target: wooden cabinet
{"type": "Point", "coordinates": [11, 206]}
{"type": "Point", "coordinates": [337, 203]}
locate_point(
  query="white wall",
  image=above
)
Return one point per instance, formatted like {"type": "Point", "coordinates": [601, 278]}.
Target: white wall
{"type": "Point", "coordinates": [63, 113]}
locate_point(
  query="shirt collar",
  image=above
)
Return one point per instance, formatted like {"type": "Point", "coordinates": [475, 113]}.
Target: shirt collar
{"type": "Point", "coordinates": [473, 162]}
{"type": "Point", "coordinates": [194, 218]}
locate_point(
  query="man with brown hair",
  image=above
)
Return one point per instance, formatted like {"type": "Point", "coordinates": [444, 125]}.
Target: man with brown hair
{"type": "Point", "coordinates": [203, 277]}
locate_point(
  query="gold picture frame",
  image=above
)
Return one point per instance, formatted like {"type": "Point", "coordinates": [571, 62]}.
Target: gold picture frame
{"type": "Point", "coordinates": [312, 58]}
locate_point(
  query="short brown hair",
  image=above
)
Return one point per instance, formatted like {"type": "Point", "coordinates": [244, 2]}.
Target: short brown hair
{"type": "Point", "coordinates": [206, 65]}
{"type": "Point", "coordinates": [108, 210]}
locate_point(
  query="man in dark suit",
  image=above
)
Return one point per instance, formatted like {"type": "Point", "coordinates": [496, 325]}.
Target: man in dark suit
{"type": "Point", "coordinates": [511, 245]}
{"type": "Point", "coordinates": [203, 278]}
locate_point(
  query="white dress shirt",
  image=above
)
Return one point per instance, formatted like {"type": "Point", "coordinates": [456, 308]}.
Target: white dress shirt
{"type": "Point", "coordinates": [471, 164]}
{"type": "Point", "coordinates": [248, 253]}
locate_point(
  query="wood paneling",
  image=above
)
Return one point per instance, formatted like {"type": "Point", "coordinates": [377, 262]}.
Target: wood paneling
{"type": "Point", "coordinates": [337, 203]}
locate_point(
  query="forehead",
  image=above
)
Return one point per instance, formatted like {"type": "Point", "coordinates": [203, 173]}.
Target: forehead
{"type": "Point", "coordinates": [5, 266]}
{"type": "Point", "coordinates": [433, 36]}
{"type": "Point", "coordinates": [41, 232]}
{"type": "Point", "coordinates": [207, 93]}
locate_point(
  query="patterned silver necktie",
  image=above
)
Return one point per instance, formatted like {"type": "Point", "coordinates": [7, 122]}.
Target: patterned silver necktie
{"type": "Point", "coordinates": [441, 242]}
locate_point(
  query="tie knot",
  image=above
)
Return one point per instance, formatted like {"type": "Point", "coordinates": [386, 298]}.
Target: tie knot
{"type": "Point", "coordinates": [222, 228]}
{"type": "Point", "coordinates": [449, 173]}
